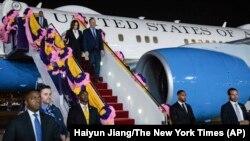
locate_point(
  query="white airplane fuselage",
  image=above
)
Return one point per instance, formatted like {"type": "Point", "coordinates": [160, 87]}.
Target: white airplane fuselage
{"type": "Point", "coordinates": [134, 37]}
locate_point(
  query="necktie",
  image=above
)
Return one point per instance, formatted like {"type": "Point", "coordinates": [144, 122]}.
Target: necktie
{"type": "Point", "coordinates": [237, 110]}
{"type": "Point", "coordinates": [86, 113]}
{"type": "Point", "coordinates": [41, 21]}
{"type": "Point", "coordinates": [93, 30]}
{"type": "Point", "coordinates": [183, 106]}
{"type": "Point", "coordinates": [38, 128]}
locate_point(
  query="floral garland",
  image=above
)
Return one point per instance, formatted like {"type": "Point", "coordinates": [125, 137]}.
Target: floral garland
{"type": "Point", "coordinates": [165, 108]}
{"type": "Point", "coordinates": [103, 35]}
{"type": "Point", "coordinates": [62, 61]}
{"type": "Point", "coordinates": [107, 115]}
{"type": "Point", "coordinates": [81, 18]}
{"type": "Point", "coordinates": [120, 55]}
{"type": "Point", "coordinates": [57, 58]}
{"type": "Point", "coordinates": [35, 34]}
{"type": "Point", "coordinates": [77, 87]}
{"type": "Point", "coordinates": [107, 112]}
{"type": "Point", "coordinates": [140, 78]}
{"type": "Point", "coordinates": [9, 24]}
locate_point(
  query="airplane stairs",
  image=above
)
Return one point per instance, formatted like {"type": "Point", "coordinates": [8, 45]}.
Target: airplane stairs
{"type": "Point", "coordinates": [122, 116]}
{"type": "Point", "coordinates": [119, 88]}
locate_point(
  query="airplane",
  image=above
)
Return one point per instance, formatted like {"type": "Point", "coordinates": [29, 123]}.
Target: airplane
{"type": "Point", "coordinates": [164, 52]}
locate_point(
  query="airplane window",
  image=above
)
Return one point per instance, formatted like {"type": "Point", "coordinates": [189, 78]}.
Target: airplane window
{"type": "Point", "coordinates": [207, 41]}
{"type": "Point", "coordinates": [120, 37]}
{"type": "Point", "coordinates": [147, 39]}
{"type": "Point", "coordinates": [186, 41]}
{"type": "Point", "coordinates": [193, 40]}
{"type": "Point", "coordinates": [138, 38]}
{"type": "Point", "coordinates": [200, 41]}
{"type": "Point", "coordinates": [214, 41]}
{"type": "Point", "coordinates": [155, 39]}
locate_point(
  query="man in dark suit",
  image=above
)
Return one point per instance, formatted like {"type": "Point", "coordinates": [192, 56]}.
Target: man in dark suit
{"type": "Point", "coordinates": [93, 44]}
{"type": "Point", "coordinates": [233, 112]}
{"type": "Point", "coordinates": [83, 113]}
{"type": "Point", "coordinates": [32, 125]}
{"type": "Point", "coordinates": [41, 20]}
{"type": "Point", "coordinates": [181, 112]}
{"type": "Point", "coordinates": [50, 109]}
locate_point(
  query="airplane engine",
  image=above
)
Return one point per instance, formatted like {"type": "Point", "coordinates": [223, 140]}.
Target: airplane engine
{"type": "Point", "coordinates": [204, 75]}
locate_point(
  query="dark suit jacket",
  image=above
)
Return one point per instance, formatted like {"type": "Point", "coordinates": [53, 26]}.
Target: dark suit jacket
{"type": "Point", "coordinates": [20, 129]}
{"type": "Point", "coordinates": [179, 116]}
{"type": "Point", "coordinates": [76, 116]}
{"type": "Point", "coordinates": [91, 43]}
{"type": "Point", "coordinates": [75, 43]}
{"type": "Point", "coordinates": [228, 115]}
{"type": "Point", "coordinates": [58, 117]}
{"type": "Point", "coordinates": [45, 22]}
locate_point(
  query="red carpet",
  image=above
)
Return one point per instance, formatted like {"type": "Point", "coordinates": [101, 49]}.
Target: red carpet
{"type": "Point", "coordinates": [122, 117]}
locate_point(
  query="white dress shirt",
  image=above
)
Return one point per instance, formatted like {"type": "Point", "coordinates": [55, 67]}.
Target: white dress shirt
{"type": "Point", "coordinates": [41, 21]}
{"type": "Point", "coordinates": [83, 108]}
{"type": "Point", "coordinates": [32, 117]}
{"type": "Point", "coordinates": [76, 33]}
{"type": "Point", "coordinates": [184, 105]}
{"type": "Point", "coordinates": [93, 30]}
{"type": "Point", "coordinates": [239, 108]}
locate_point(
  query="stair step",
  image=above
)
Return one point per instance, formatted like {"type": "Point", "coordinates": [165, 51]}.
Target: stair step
{"type": "Point", "coordinates": [101, 85]}
{"type": "Point", "coordinates": [127, 121]}
{"type": "Point", "coordinates": [85, 62]}
{"type": "Point", "coordinates": [105, 92]}
{"type": "Point", "coordinates": [117, 106]}
{"type": "Point", "coordinates": [85, 68]}
{"type": "Point", "coordinates": [92, 78]}
{"type": "Point", "coordinates": [110, 98]}
{"type": "Point", "coordinates": [121, 114]}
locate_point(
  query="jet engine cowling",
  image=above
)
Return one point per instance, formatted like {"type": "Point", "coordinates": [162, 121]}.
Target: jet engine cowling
{"type": "Point", "coordinates": [204, 75]}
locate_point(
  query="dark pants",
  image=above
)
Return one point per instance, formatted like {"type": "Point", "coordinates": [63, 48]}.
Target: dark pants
{"type": "Point", "coordinates": [95, 59]}
{"type": "Point", "coordinates": [77, 56]}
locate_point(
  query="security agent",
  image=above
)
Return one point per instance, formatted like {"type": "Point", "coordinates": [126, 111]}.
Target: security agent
{"type": "Point", "coordinates": [234, 112]}
{"type": "Point", "coordinates": [181, 112]}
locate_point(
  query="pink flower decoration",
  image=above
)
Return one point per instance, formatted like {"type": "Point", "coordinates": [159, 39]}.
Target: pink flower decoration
{"type": "Point", "coordinates": [120, 55]}
{"type": "Point", "coordinates": [5, 20]}
{"type": "Point", "coordinates": [85, 81]}
{"type": "Point", "coordinates": [3, 34]}
{"type": "Point", "coordinates": [103, 36]}
{"type": "Point", "coordinates": [54, 57]}
{"type": "Point", "coordinates": [82, 83]}
{"type": "Point", "coordinates": [111, 118]}
{"type": "Point", "coordinates": [69, 54]}
{"type": "Point", "coordinates": [140, 78]}
{"type": "Point", "coordinates": [164, 108]}
{"type": "Point", "coordinates": [81, 18]}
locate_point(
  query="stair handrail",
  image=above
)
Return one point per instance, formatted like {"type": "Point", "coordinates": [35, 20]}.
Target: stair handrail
{"type": "Point", "coordinates": [96, 91]}
{"type": "Point", "coordinates": [35, 29]}
{"type": "Point", "coordinates": [83, 24]}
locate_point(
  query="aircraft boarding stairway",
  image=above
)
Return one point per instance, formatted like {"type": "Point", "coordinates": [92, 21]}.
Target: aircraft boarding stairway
{"type": "Point", "coordinates": [122, 90]}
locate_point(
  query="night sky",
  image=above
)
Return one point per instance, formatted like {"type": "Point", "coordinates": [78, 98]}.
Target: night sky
{"type": "Point", "coordinates": [207, 12]}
